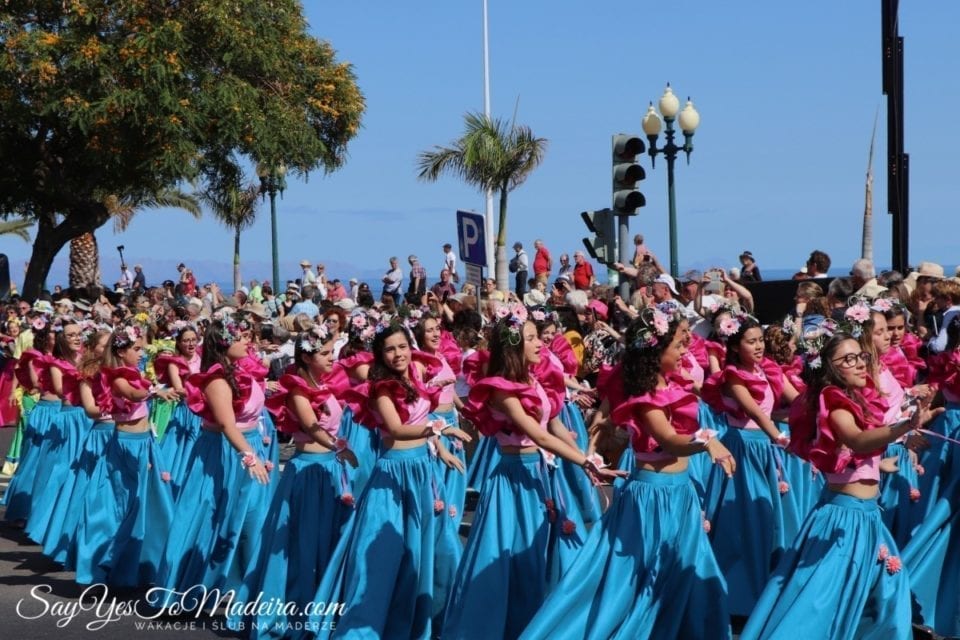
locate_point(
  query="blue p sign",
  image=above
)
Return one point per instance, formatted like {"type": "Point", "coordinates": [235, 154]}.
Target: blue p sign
{"type": "Point", "coordinates": [473, 248]}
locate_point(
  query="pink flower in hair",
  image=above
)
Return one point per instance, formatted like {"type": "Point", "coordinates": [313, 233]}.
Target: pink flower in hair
{"type": "Point", "coordinates": [359, 321]}
{"type": "Point", "coordinates": [502, 312]}
{"type": "Point", "coordinates": [661, 324]}
{"type": "Point", "coordinates": [38, 323]}
{"type": "Point", "coordinates": [538, 316]}
{"type": "Point", "coordinates": [728, 327]}
{"type": "Point", "coordinates": [893, 565]}
{"type": "Point", "coordinates": [859, 313]}
{"type": "Point", "coordinates": [882, 304]}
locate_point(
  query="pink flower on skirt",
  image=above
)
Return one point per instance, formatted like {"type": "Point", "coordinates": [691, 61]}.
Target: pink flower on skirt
{"type": "Point", "coordinates": [893, 565]}
{"type": "Point", "coordinates": [266, 441]}
{"type": "Point", "coordinates": [568, 527]}
{"type": "Point", "coordinates": [552, 515]}
{"type": "Point", "coordinates": [452, 511]}
{"type": "Point", "coordinates": [914, 494]}
{"type": "Point", "coordinates": [549, 503]}
{"type": "Point", "coordinates": [165, 476]}
{"type": "Point", "coordinates": [458, 444]}
{"type": "Point", "coordinates": [783, 487]}
{"type": "Point", "coordinates": [920, 469]}
{"type": "Point", "coordinates": [883, 553]}
{"type": "Point", "coordinates": [706, 526]}
{"type": "Point", "coordinates": [268, 466]}
{"type": "Point", "coordinates": [437, 506]}
{"type": "Point", "coordinates": [347, 499]}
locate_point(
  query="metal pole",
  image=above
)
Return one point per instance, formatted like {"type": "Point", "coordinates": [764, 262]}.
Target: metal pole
{"type": "Point", "coordinates": [488, 215]}
{"type": "Point", "coordinates": [670, 152]}
{"type": "Point", "coordinates": [625, 257]}
{"type": "Point", "coordinates": [273, 232]}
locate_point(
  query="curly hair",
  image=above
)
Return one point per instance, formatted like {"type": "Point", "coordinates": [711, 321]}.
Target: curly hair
{"type": "Point", "coordinates": [826, 373]}
{"type": "Point", "coordinates": [641, 365]}
{"type": "Point", "coordinates": [506, 359]}
{"type": "Point", "coordinates": [778, 343]}
{"type": "Point", "coordinates": [379, 369]}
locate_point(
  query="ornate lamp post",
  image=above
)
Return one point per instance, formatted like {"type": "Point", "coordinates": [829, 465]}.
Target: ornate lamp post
{"type": "Point", "coordinates": [689, 119]}
{"type": "Point", "coordinates": [272, 182]}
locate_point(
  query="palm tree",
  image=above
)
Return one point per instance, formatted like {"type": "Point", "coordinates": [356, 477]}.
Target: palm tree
{"type": "Point", "coordinates": [490, 155]}
{"type": "Point", "coordinates": [16, 227]}
{"type": "Point", "coordinates": [236, 207]}
{"type": "Point", "coordinates": [84, 267]}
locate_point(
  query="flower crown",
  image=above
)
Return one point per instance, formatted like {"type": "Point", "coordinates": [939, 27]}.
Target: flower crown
{"type": "Point", "coordinates": [362, 328]}
{"type": "Point", "coordinates": [510, 318]}
{"type": "Point", "coordinates": [175, 328]}
{"type": "Point", "coordinates": [789, 326]}
{"type": "Point", "coordinates": [730, 326]}
{"type": "Point", "coordinates": [410, 316]}
{"type": "Point", "coordinates": [858, 312]}
{"type": "Point", "coordinates": [811, 342]}
{"type": "Point", "coordinates": [232, 326]}
{"type": "Point", "coordinates": [653, 324]}
{"type": "Point", "coordinates": [125, 337]}
{"type": "Point", "coordinates": [312, 340]}
{"type": "Point", "coordinates": [39, 323]}
{"type": "Point", "coordinates": [540, 314]}
{"type": "Point", "coordinates": [89, 327]}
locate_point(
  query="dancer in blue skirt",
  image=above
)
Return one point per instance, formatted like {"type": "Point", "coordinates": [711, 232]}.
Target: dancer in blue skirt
{"type": "Point", "coordinates": [427, 332]}
{"type": "Point", "coordinates": [62, 442]}
{"type": "Point", "coordinates": [313, 501]}
{"type": "Point", "coordinates": [393, 567]}
{"type": "Point", "coordinates": [511, 558]}
{"type": "Point", "coordinates": [219, 515]}
{"type": "Point", "coordinates": [127, 509]}
{"type": "Point", "coordinates": [182, 431]}
{"type": "Point", "coordinates": [647, 570]}
{"type": "Point", "coordinates": [59, 540]}
{"type": "Point", "coordinates": [751, 521]}
{"type": "Point", "coordinates": [842, 578]}
{"type": "Point", "coordinates": [19, 494]}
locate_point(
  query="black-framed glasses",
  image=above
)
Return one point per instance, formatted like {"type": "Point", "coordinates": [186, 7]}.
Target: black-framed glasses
{"type": "Point", "coordinates": [850, 360]}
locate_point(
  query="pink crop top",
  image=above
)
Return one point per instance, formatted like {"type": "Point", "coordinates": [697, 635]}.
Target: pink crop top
{"type": "Point", "coordinates": [70, 380]}
{"type": "Point", "coordinates": [122, 409]}
{"type": "Point", "coordinates": [681, 408]}
{"type": "Point", "coordinates": [838, 463]}
{"type": "Point", "coordinates": [868, 469]}
{"type": "Point", "coordinates": [760, 382]}
{"type": "Point", "coordinates": [893, 395]}
{"type": "Point", "coordinates": [247, 407]}
{"type": "Point", "coordinates": [515, 437]}
{"type": "Point", "coordinates": [328, 420]}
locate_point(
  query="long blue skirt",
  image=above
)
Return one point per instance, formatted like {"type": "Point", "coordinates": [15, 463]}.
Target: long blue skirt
{"type": "Point", "coordinates": [59, 540]}
{"type": "Point", "coordinates": [900, 495]}
{"type": "Point", "coordinates": [646, 571]}
{"type": "Point", "coordinates": [394, 565]}
{"type": "Point", "coordinates": [310, 508]}
{"type": "Point", "coordinates": [19, 494]}
{"type": "Point", "coordinates": [514, 553]}
{"type": "Point", "coordinates": [127, 514]}
{"type": "Point", "coordinates": [365, 444]}
{"type": "Point", "coordinates": [59, 453]}
{"type": "Point", "coordinates": [932, 558]}
{"type": "Point", "coordinates": [217, 519]}
{"type": "Point", "coordinates": [941, 461]}
{"type": "Point", "coordinates": [177, 443]}
{"type": "Point", "coordinates": [268, 431]}
{"type": "Point", "coordinates": [454, 481]}
{"type": "Point", "coordinates": [486, 457]}
{"type": "Point", "coordinates": [751, 522]}
{"type": "Point", "coordinates": [832, 583]}
{"type": "Point", "coordinates": [581, 488]}
{"type": "Point", "coordinates": [700, 467]}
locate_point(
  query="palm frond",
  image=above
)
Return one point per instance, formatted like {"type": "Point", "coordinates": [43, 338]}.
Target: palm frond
{"type": "Point", "coordinates": [17, 227]}
{"type": "Point", "coordinates": [123, 210]}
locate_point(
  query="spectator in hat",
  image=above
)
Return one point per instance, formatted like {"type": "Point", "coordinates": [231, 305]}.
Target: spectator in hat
{"type": "Point", "coordinates": [664, 288]}
{"type": "Point", "coordinates": [520, 265]}
{"type": "Point", "coordinates": [749, 271]}
{"type": "Point", "coordinates": [308, 276]}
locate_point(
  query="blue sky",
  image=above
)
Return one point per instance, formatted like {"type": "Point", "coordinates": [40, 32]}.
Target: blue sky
{"type": "Point", "coordinates": [786, 91]}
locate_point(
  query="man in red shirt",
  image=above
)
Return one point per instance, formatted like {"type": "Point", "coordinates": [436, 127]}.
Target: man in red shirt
{"type": "Point", "coordinates": [583, 277]}
{"type": "Point", "coordinates": [542, 264]}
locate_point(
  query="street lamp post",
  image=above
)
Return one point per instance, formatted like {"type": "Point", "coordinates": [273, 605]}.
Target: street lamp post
{"type": "Point", "coordinates": [272, 182]}
{"type": "Point", "coordinates": [689, 119]}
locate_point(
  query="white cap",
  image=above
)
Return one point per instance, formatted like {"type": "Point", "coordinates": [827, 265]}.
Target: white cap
{"type": "Point", "coordinates": [667, 279]}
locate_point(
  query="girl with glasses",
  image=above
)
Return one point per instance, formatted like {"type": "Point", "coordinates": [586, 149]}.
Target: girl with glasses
{"type": "Point", "coordinates": [842, 577]}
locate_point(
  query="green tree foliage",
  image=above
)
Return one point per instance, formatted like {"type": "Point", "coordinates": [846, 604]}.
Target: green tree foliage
{"type": "Point", "coordinates": [102, 98]}
{"type": "Point", "coordinates": [490, 155]}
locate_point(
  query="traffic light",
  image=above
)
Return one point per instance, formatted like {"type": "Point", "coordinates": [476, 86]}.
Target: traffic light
{"type": "Point", "coordinates": [603, 246]}
{"type": "Point", "coordinates": [626, 174]}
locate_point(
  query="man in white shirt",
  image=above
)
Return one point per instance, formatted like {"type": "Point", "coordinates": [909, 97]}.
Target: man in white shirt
{"type": "Point", "coordinates": [308, 276]}
{"type": "Point", "coordinates": [450, 262]}
{"type": "Point", "coordinates": [392, 280]}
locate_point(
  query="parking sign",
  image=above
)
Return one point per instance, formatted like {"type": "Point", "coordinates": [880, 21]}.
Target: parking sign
{"type": "Point", "coordinates": [470, 235]}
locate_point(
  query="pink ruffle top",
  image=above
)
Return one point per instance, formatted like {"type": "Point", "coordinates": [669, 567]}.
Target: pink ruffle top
{"type": "Point", "coordinates": [322, 401]}
{"type": "Point", "coordinates": [680, 406]}
{"type": "Point", "coordinates": [122, 409]}
{"type": "Point", "coordinates": [492, 423]}
{"type": "Point", "coordinates": [247, 405]}
{"type": "Point", "coordinates": [765, 384]}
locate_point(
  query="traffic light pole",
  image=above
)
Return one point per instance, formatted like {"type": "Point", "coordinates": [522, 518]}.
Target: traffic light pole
{"type": "Point", "coordinates": [625, 257]}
